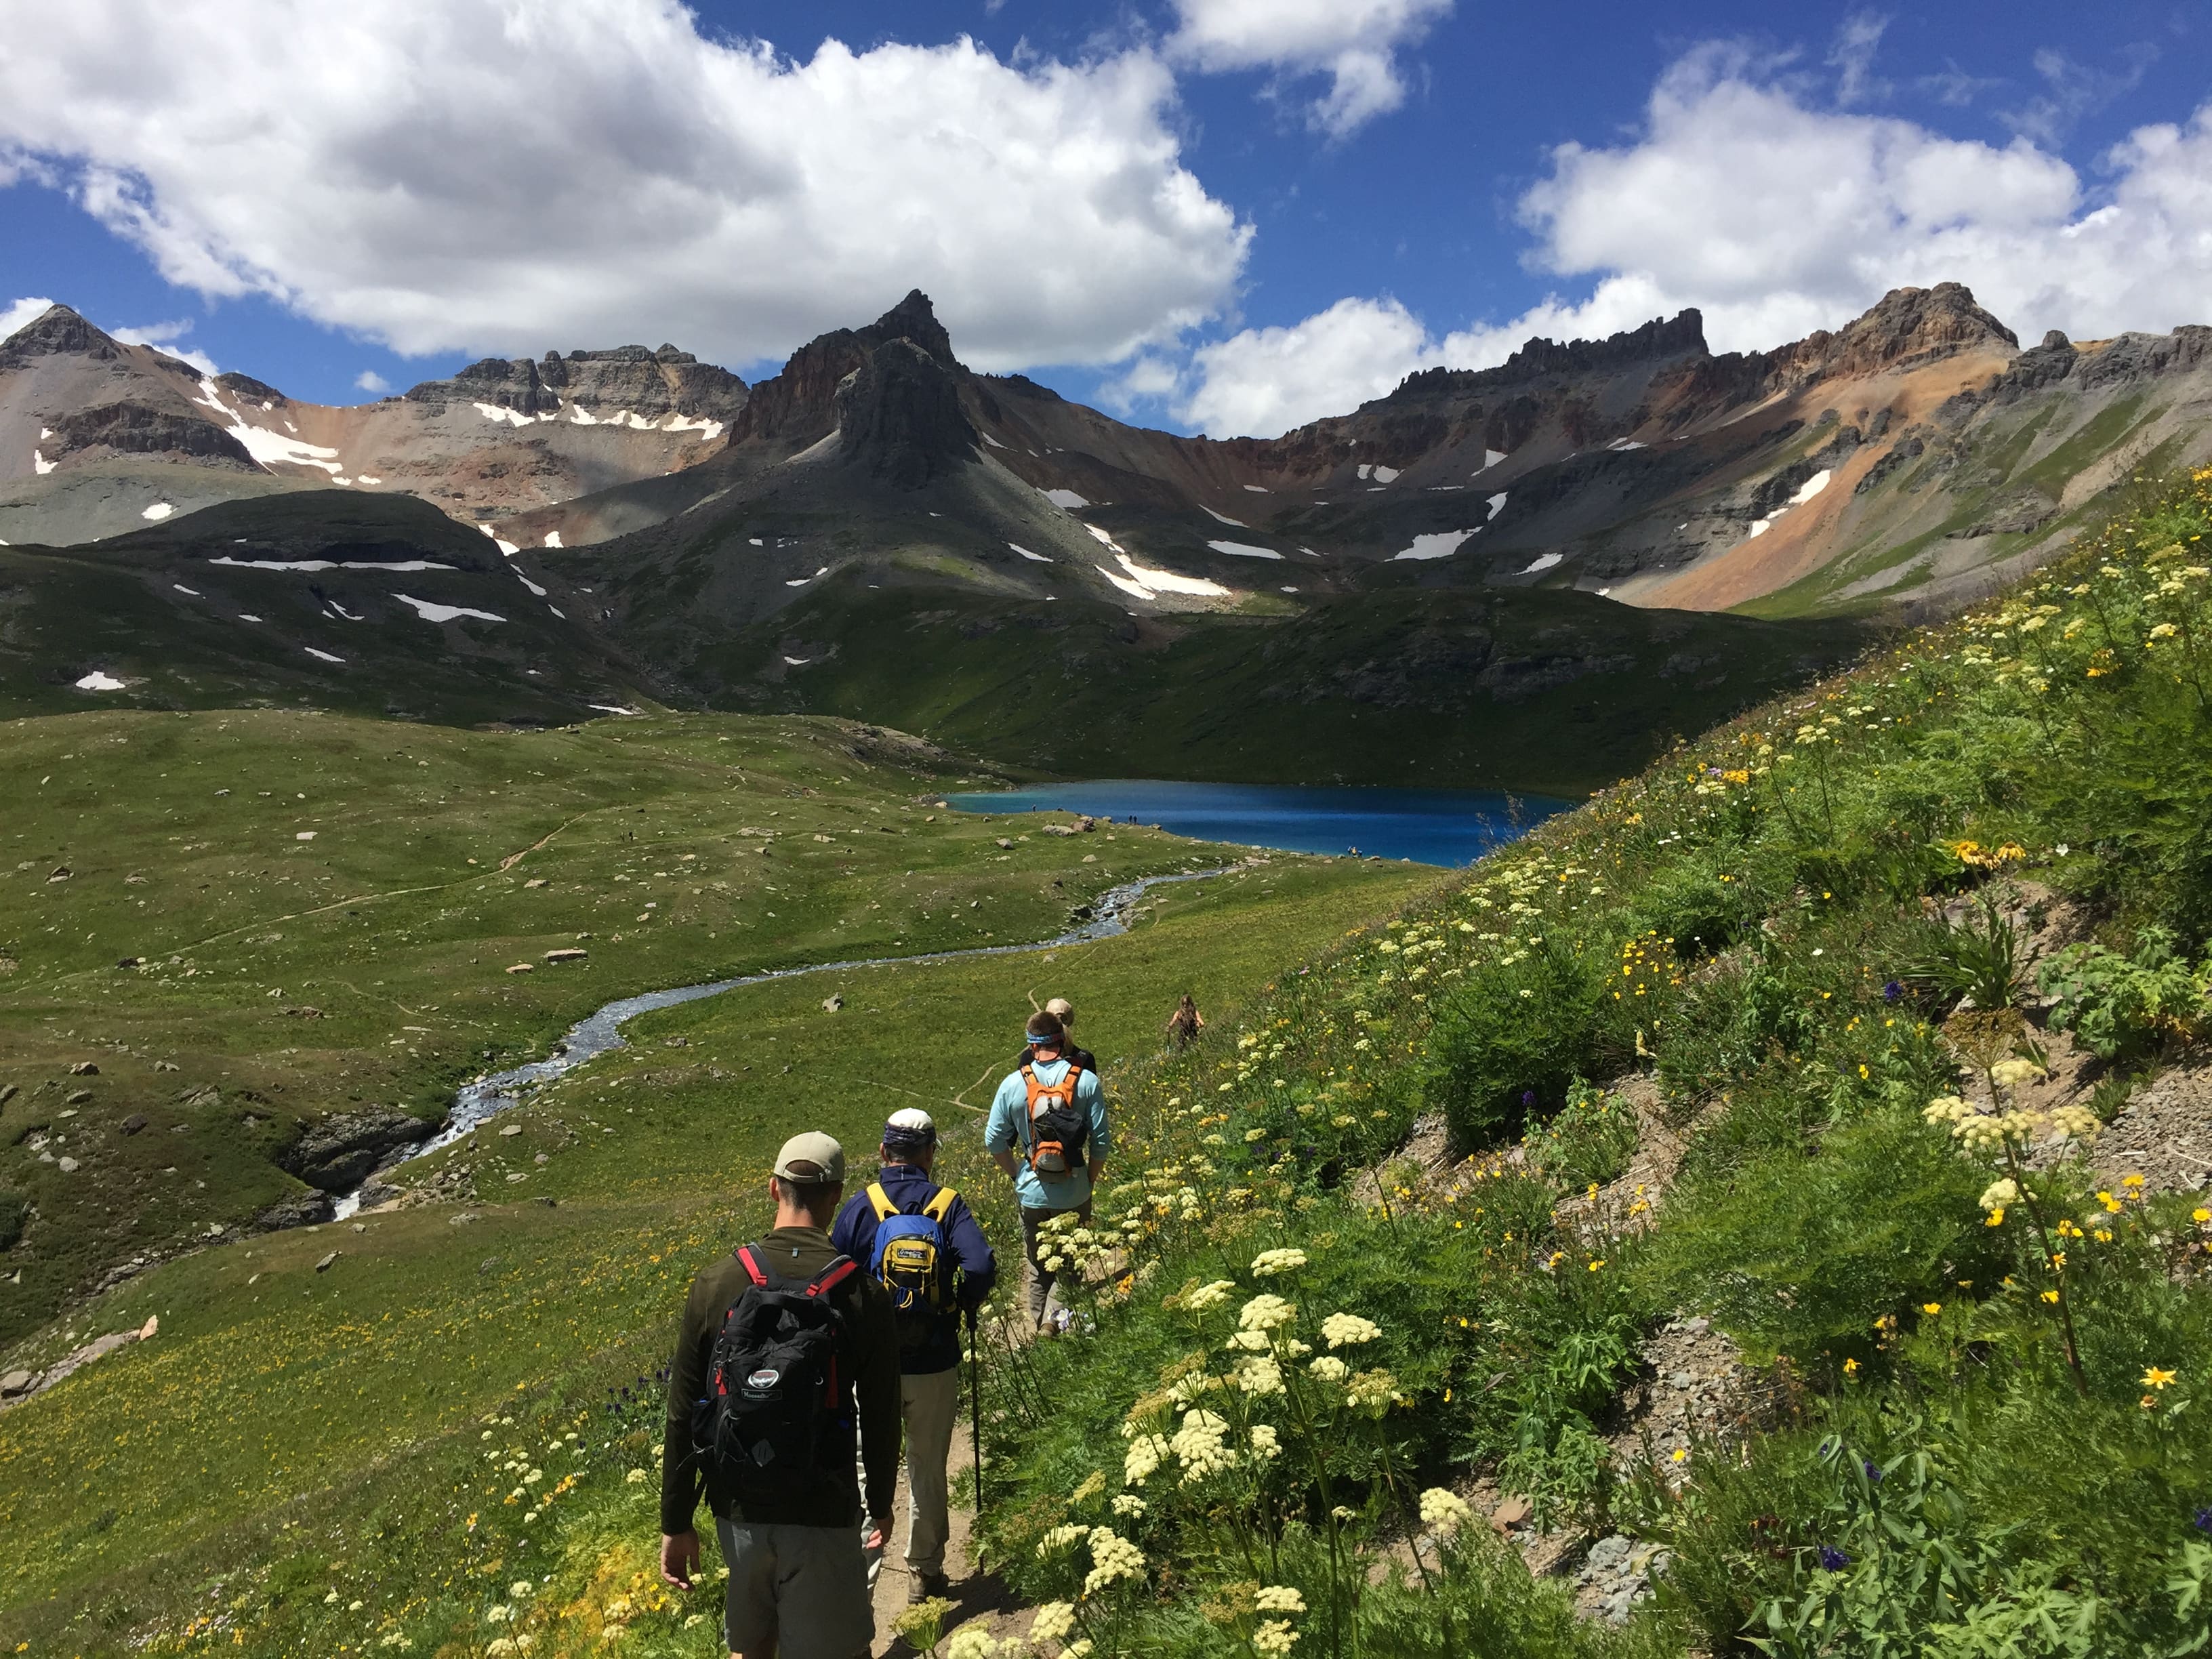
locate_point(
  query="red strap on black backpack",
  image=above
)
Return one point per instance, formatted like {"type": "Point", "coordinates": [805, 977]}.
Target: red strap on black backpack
{"type": "Point", "coordinates": [821, 1285]}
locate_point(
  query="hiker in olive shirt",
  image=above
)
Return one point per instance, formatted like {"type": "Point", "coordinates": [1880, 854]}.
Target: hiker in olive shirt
{"type": "Point", "coordinates": [798, 1578]}
{"type": "Point", "coordinates": [1048, 1131]}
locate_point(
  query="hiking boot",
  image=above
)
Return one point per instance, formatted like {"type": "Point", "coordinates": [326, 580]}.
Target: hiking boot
{"type": "Point", "coordinates": [921, 1586]}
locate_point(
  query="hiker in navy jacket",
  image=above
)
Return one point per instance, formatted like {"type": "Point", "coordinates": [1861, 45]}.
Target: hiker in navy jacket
{"type": "Point", "coordinates": [929, 1354]}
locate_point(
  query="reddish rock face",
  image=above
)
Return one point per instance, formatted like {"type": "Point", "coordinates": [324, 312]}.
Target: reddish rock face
{"type": "Point", "coordinates": [1906, 326]}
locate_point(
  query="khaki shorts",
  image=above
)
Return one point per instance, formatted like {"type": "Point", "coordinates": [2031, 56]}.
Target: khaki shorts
{"type": "Point", "coordinates": [796, 1592]}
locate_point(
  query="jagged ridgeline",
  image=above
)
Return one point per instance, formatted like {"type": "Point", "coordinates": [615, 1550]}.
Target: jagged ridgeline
{"type": "Point", "coordinates": [1561, 564]}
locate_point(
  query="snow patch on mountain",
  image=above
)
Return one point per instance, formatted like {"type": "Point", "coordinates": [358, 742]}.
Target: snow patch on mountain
{"type": "Point", "coordinates": [1804, 493]}
{"type": "Point", "coordinates": [1223, 518]}
{"type": "Point", "coordinates": [268, 448]}
{"type": "Point", "coordinates": [1066, 498]}
{"type": "Point", "coordinates": [396, 567]}
{"type": "Point", "coordinates": [1437, 544]}
{"type": "Point", "coordinates": [1244, 550]}
{"type": "Point", "coordinates": [445, 613]}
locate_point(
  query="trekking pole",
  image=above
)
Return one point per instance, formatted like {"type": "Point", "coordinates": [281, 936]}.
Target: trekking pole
{"type": "Point", "coordinates": [976, 1407]}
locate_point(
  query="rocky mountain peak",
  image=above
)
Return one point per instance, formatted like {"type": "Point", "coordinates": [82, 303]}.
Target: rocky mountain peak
{"type": "Point", "coordinates": [800, 405]}
{"type": "Point", "coordinates": [53, 331]}
{"type": "Point", "coordinates": [914, 318]}
{"type": "Point", "coordinates": [1905, 326]}
{"type": "Point", "coordinates": [900, 416]}
{"type": "Point", "coordinates": [1661, 340]}
{"type": "Point", "coordinates": [645, 383]}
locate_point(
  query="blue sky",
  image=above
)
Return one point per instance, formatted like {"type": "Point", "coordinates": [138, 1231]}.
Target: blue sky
{"type": "Point", "coordinates": [1226, 214]}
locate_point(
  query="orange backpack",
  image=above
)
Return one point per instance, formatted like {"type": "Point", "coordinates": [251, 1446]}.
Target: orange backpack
{"type": "Point", "coordinates": [1057, 1126]}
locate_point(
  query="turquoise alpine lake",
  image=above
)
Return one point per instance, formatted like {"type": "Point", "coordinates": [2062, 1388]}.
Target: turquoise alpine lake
{"type": "Point", "coordinates": [1428, 826]}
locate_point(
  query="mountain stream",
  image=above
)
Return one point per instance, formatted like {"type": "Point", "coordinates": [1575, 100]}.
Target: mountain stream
{"type": "Point", "coordinates": [600, 1031]}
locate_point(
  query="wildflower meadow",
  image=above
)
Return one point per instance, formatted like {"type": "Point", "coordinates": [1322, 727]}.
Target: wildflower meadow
{"type": "Point", "coordinates": [1819, 1036]}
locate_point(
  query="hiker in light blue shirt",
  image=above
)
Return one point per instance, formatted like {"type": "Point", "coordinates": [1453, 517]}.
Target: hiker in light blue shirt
{"type": "Point", "coordinates": [1048, 1131]}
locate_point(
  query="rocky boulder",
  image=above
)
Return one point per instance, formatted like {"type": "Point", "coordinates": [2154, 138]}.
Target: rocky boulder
{"type": "Point", "coordinates": [307, 1209]}
{"type": "Point", "coordinates": [338, 1152]}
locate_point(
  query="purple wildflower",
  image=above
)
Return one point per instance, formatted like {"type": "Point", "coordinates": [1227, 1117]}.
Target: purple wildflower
{"type": "Point", "coordinates": [1892, 991]}
{"type": "Point", "coordinates": [1833, 1559]}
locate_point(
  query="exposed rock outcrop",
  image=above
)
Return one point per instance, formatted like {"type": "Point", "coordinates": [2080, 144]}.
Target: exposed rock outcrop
{"type": "Point", "coordinates": [799, 405]}
{"type": "Point", "coordinates": [133, 428]}
{"type": "Point", "coordinates": [1907, 326]}
{"type": "Point", "coordinates": [337, 1153]}
{"type": "Point", "coordinates": [900, 416]}
{"type": "Point", "coordinates": [647, 384]}
{"type": "Point", "coordinates": [55, 330]}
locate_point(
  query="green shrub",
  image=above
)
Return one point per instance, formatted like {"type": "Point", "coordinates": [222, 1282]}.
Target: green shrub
{"type": "Point", "coordinates": [1702, 908]}
{"type": "Point", "coordinates": [1802, 1255]}
{"type": "Point", "coordinates": [1511, 1040]}
{"type": "Point", "coordinates": [2117, 1004]}
{"type": "Point", "coordinates": [14, 1216]}
{"type": "Point", "coordinates": [1589, 1140]}
{"type": "Point", "coordinates": [1980, 957]}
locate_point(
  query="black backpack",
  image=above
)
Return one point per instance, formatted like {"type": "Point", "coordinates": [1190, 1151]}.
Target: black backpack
{"type": "Point", "coordinates": [775, 1386]}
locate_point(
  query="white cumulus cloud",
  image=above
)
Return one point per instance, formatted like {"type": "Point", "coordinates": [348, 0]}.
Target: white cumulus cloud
{"type": "Point", "coordinates": [370, 381]}
{"type": "Point", "coordinates": [1776, 217]}
{"type": "Point", "coordinates": [441, 175]}
{"type": "Point", "coordinates": [20, 314]}
{"type": "Point", "coordinates": [1354, 42]}
{"type": "Point", "coordinates": [167, 338]}
{"type": "Point", "coordinates": [1263, 381]}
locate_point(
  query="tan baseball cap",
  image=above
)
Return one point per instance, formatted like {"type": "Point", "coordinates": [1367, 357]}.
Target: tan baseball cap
{"type": "Point", "coordinates": [1065, 1010]}
{"type": "Point", "coordinates": [811, 1159]}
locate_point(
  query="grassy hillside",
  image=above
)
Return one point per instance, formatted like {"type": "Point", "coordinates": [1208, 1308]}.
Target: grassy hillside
{"type": "Point", "coordinates": [318, 915]}
{"type": "Point", "coordinates": [1551, 691]}
{"type": "Point", "coordinates": [1811, 1034]}
{"type": "Point", "coordinates": [1808, 944]}
{"type": "Point", "coordinates": [282, 1403]}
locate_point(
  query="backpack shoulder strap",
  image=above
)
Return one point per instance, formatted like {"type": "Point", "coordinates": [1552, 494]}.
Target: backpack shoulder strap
{"type": "Point", "coordinates": [881, 1201]}
{"type": "Point", "coordinates": [753, 1269]}
{"type": "Point", "coordinates": [832, 1276]}
{"type": "Point", "coordinates": [938, 1207]}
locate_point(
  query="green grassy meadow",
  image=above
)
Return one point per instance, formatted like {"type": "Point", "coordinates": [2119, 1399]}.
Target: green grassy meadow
{"type": "Point", "coordinates": [277, 1396]}
{"type": "Point", "coordinates": [322, 912]}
